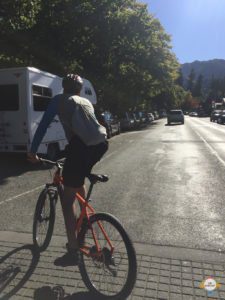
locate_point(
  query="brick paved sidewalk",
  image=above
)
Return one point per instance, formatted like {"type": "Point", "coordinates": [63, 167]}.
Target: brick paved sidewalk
{"type": "Point", "coordinates": [163, 272]}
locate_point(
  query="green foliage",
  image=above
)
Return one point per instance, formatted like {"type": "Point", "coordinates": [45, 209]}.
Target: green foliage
{"type": "Point", "coordinates": [217, 89]}
{"type": "Point", "coordinates": [180, 78]}
{"type": "Point", "coordinates": [197, 89]}
{"type": "Point", "coordinates": [190, 102]}
{"type": "Point", "coordinates": [17, 14]}
{"type": "Point", "coordinates": [191, 80]}
{"type": "Point", "coordinates": [118, 45]}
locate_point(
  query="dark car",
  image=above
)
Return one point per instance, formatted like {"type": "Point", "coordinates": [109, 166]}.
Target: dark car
{"type": "Point", "coordinates": [144, 117]}
{"type": "Point", "coordinates": [175, 116]}
{"type": "Point", "coordinates": [162, 113]}
{"type": "Point", "coordinates": [137, 120]}
{"type": "Point", "coordinates": [215, 115]}
{"type": "Point", "coordinates": [221, 118]}
{"type": "Point", "coordinates": [156, 115]}
{"type": "Point", "coordinates": [202, 114]}
{"type": "Point", "coordinates": [127, 121]}
{"type": "Point", "coordinates": [141, 118]}
{"type": "Point", "coordinates": [110, 122]}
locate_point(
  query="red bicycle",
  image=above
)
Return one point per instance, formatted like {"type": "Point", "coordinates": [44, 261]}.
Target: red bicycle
{"type": "Point", "coordinates": [108, 264]}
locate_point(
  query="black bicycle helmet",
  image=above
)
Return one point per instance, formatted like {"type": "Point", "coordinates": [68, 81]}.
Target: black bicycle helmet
{"type": "Point", "coordinates": [72, 83]}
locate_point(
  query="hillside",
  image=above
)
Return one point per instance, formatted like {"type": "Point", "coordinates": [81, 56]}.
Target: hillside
{"type": "Point", "coordinates": [211, 68]}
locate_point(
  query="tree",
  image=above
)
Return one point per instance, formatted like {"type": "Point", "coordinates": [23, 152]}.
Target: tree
{"type": "Point", "coordinates": [180, 78]}
{"type": "Point", "coordinates": [217, 88]}
{"type": "Point", "coordinates": [118, 45]}
{"type": "Point", "coordinates": [17, 15]}
{"type": "Point", "coordinates": [197, 88]}
{"type": "Point", "coordinates": [16, 18]}
{"type": "Point", "coordinates": [191, 80]}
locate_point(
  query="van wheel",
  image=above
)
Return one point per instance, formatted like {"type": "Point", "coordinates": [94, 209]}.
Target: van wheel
{"type": "Point", "coordinates": [53, 152]}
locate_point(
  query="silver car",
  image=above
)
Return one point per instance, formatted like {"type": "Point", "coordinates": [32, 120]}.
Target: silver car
{"type": "Point", "coordinates": [175, 116]}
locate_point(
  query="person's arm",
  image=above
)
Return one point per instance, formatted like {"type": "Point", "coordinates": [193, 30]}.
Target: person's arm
{"type": "Point", "coordinates": [47, 118]}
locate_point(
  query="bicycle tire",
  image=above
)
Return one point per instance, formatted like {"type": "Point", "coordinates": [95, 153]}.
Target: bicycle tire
{"type": "Point", "coordinates": [48, 196]}
{"type": "Point", "coordinates": [130, 280]}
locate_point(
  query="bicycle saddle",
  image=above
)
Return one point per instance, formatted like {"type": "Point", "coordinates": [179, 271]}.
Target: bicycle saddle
{"type": "Point", "coordinates": [94, 178]}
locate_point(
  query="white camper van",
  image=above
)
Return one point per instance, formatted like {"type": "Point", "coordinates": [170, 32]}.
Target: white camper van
{"type": "Point", "coordinates": [24, 96]}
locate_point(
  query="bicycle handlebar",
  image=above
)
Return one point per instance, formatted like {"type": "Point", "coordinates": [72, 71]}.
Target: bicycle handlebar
{"type": "Point", "coordinates": [57, 163]}
{"type": "Point", "coordinates": [94, 178]}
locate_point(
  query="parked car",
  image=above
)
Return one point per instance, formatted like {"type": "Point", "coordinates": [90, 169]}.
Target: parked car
{"type": "Point", "coordinates": [175, 116]}
{"type": "Point", "coordinates": [221, 117]}
{"type": "Point", "coordinates": [151, 117]}
{"type": "Point", "coordinates": [156, 115]}
{"type": "Point", "coordinates": [143, 117]}
{"type": "Point", "coordinates": [137, 120]}
{"type": "Point", "coordinates": [162, 113]}
{"type": "Point", "coordinates": [109, 121]}
{"type": "Point", "coordinates": [202, 113]}
{"type": "Point", "coordinates": [127, 121]}
{"type": "Point", "coordinates": [193, 114]}
{"type": "Point", "coordinates": [215, 115]}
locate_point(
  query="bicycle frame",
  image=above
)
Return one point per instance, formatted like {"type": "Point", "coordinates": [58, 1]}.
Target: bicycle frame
{"type": "Point", "coordinates": [86, 212]}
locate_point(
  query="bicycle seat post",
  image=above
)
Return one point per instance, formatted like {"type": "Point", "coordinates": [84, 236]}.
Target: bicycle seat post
{"type": "Point", "coordinates": [89, 191]}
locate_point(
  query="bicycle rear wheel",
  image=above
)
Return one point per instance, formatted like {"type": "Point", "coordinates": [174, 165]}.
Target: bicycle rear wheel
{"type": "Point", "coordinates": [44, 218]}
{"type": "Point", "coordinates": [110, 275]}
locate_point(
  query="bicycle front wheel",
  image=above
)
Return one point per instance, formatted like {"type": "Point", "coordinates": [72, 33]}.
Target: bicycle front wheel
{"type": "Point", "coordinates": [44, 218]}
{"type": "Point", "coordinates": [109, 274]}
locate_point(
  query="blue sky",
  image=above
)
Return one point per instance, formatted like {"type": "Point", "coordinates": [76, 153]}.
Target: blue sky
{"type": "Point", "coordinates": [197, 27]}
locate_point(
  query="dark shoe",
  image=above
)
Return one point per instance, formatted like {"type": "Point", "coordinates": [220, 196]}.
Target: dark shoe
{"type": "Point", "coordinates": [71, 258]}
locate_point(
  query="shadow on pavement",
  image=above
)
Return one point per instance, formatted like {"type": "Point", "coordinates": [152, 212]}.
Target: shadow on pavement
{"type": "Point", "coordinates": [58, 293]}
{"type": "Point", "coordinates": [14, 164]}
{"type": "Point", "coordinates": [82, 296]}
{"type": "Point", "coordinates": [16, 267]}
{"type": "Point", "coordinates": [173, 124]}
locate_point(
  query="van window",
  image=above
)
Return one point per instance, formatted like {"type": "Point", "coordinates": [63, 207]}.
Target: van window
{"type": "Point", "coordinates": [9, 97]}
{"type": "Point", "coordinates": [41, 97]}
{"type": "Point", "coordinates": [175, 112]}
{"type": "Point", "coordinates": [88, 91]}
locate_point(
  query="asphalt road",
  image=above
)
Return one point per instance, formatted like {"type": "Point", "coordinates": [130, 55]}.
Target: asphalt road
{"type": "Point", "coordinates": [166, 185]}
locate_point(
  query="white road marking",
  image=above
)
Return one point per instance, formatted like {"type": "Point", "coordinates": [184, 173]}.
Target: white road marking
{"type": "Point", "coordinates": [107, 156]}
{"type": "Point", "coordinates": [37, 188]}
{"type": "Point", "coordinates": [157, 165]}
{"type": "Point", "coordinates": [211, 125]}
{"type": "Point", "coordinates": [210, 147]}
{"type": "Point", "coordinates": [134, 132]}
{"type": "Point", "coordinates": [25, 193]}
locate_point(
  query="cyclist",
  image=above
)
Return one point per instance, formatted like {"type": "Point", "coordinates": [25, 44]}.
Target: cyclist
{"type": "Point", "coordinates": [87, 144]}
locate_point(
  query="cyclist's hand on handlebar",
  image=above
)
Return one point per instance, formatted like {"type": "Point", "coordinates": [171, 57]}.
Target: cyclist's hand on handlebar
{"type": "Point", "coordinates": [33, 158]}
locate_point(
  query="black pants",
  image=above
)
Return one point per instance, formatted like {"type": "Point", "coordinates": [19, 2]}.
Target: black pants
{"type": "Point", "coordinates": [80, 159]}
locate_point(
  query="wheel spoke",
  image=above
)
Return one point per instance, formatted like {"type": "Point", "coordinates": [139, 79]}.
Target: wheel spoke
{"type": "Point", "coordinates": [107, 275]}
{"type": "Point", "coordinates": [44, 220]}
